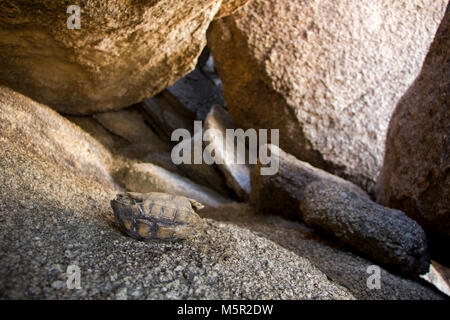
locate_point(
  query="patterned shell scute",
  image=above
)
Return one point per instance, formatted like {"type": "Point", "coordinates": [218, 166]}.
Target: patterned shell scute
{"type": "Point", "coordinates": [156, 215]}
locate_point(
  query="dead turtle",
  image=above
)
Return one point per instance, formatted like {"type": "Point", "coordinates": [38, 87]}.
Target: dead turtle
{"type": "Point", "coordinates": [156, 215]}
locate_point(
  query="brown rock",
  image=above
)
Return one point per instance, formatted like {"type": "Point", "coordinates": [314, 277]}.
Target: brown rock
{"type": "Point", "coordinates": [163, 160]}
{"type": "Point", "coordinates": [98, 132]}
{"type": "Point", "coordinates": [282, 193]}
{"type": "Point", "coordinates": [130, 125]}
{"type": "Point", "coordinates": [326, 73]}
{"type": "Point", "coordinates": [49, 144]}
{"type": "Point", "coordinates": [415, 175]}
{"type": "Point", "coordinates": [229, 7]}
{"type": "Point", "coordinates": [125, 51]}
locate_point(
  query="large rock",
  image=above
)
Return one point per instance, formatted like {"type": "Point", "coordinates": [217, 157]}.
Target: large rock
{"type": "Point", "coordinates": [282, 192]}
{"type": "Point", "coordinates": [55, 211]}
{"type": "Point", "coordinates": [36, 142]}
{"type": "Point", "coordinates": [415, 176]}
{"type": "Point", "coordinates": [130, 125]}
{"type": "Point", "coordinates": [326, 73]}
{"type": "Point", "coordinates": [98, 132]}
{"type": "Point", "coordinates": [125, 51]}
{"type": "Point", "coordinates": [385, 235]}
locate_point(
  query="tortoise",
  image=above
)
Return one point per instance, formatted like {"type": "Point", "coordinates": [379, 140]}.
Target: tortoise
{"type": "Point", "coordinates": [156, 215]}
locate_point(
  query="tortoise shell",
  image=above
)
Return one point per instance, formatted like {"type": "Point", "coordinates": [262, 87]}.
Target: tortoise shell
{"type": "Point", "coordinates": [155, 215]}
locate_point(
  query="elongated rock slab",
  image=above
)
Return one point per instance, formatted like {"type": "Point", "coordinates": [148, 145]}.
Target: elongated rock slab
{"type": "Point", "coordinates": [281, 193]}
{"type": "Point", "coordinates": [237, 175]}
{"type": "Point", "coordinates": [385, 235]}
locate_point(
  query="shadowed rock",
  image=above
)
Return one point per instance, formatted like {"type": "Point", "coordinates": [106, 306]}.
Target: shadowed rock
{"type": "Point", "coordinates": [385, 235]}
{"type": "Point", "coordinates": [206, 174]}
{"type": "Point", "coordinates": [130, 125]}
{"type": "Point", "coordinates": [197, 93]}
{"type": "Point", "coordinates": [281, 193]}
{"type": "Point", "coordinates": [237, 175]}
{"type": "Point", "coordinates": [166, 113]}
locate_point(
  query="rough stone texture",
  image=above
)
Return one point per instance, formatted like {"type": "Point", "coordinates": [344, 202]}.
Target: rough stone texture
{"type": "Point", "coordinates": [229, 7]}
{"type": "Point", "coordinates": [282, 193]}
{"type": "Point", "coordinates": [415, 176]}
{"type": "Point", "coordinates": [34, 135]}
{"type": "Point", "coordinates": [163, 160]}
{"type": "Point", "coordinates": [147, 177]}
{"type": "Point", "coordinates": [236, 175]}
{"type": "Point", "coordinates": [386, 235]}
{"type": "Point", "coordinates": [120, 137]}
{"type": "Point", "coordinates": [336, 260]}
{"type": "Point", "coordinates": [55, 211]}
{"type": "Point", "coordinates": [125, 51]}
{"type": "Point", "coordinates": [328, 74]}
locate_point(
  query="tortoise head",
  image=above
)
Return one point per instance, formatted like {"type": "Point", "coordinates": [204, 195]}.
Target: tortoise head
{"type": "Point", "coordinates": [195, 204]}
{"type": "Point", "coordinates": [127, 208]}
{"type": "Point", "coordinates": [124, 209]}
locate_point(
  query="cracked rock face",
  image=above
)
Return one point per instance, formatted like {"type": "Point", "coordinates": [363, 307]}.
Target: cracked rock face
{"type": "Point", "coordinates": [328, 74]}
{"type": "Point", "coordinates": [125, 51]}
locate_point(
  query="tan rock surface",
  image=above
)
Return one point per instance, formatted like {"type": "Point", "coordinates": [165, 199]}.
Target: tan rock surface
{"type": "Point", "coordinates": [125, 51]}
{"type": "Point", "coordinates": [229, 7]}
{"type": "Point", "coordinates": [328, 74]}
